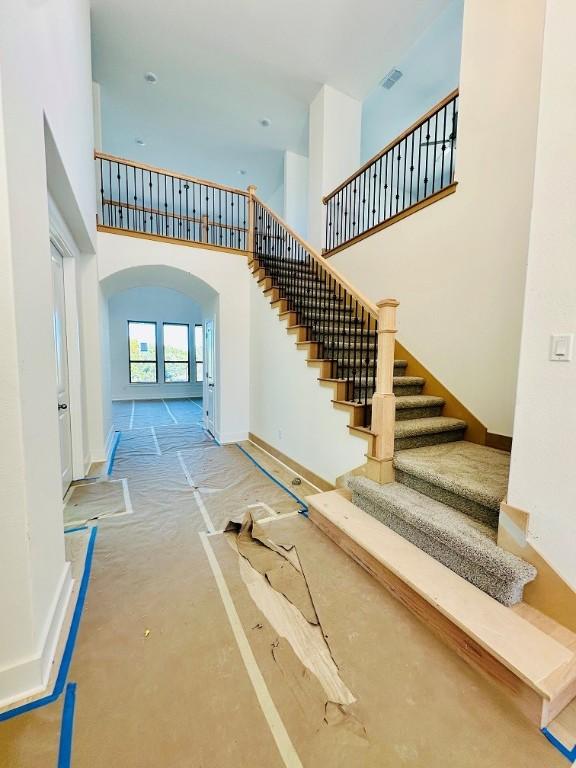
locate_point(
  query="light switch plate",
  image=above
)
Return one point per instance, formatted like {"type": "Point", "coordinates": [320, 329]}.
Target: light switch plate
{"type": "Point", "coordinates": [561, 347]}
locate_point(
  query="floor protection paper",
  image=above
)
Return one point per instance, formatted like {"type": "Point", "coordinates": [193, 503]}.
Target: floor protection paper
{"type": "Point", "coordinates": [160, 679]}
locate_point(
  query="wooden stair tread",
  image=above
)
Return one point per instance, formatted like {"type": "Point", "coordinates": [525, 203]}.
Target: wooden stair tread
{"type": "Point", "coordinates": [348, 403]}
{"type": "Point", "coordinates": [546, 624]}
{"type": "Point", "coordinates": [538, 659]}
{"type": "Point", "coordinates": [363, 430]}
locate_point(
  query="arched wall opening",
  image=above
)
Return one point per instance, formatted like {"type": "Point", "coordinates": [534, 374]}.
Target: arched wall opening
{"type": "Point", "coordinates": [216, 282]}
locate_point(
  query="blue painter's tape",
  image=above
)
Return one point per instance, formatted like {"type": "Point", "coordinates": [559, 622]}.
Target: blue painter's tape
{"type": "Point", "coordinates": [70, 642]}
{"type": "Point", "coordinates": [304, 510]}
{"type": "Point", "coordinates": [110, 466]}
{"type": "Point", "coordinates": [78, 528]}
{"type": "Point", "coordinates": [569, 754]}
{"type": "Point", "coordinates": [67, 727]}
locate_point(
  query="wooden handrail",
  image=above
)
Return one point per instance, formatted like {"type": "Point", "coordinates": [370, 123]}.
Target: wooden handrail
{"type": "Point", "coordinates": [165, 172]}
{"type": "Point", "coordinates": [369, 306]}
{"type": "Point", "coordinates": [393, 143]}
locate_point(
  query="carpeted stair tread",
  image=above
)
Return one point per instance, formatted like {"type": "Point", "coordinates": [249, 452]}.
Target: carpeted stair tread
{"type": "Point", "coordinates": [398, 381]}
{"type": "Point", "coordinates": [465, 546]}
{"type": "Point", "coordinates": [350, 362]}
{"type": "Point", "coordinates": [312, 301]}
{"type": "Point", "coordinates": [475, 472]}
{"type": "Point", "coordinates": [430, 426]}
{"type": "Point", "coordinates": [348, 330]}
{"type": "Point", "coordinates": [339, 317]}
{"type": "Point", "coordinates": [418, 401]}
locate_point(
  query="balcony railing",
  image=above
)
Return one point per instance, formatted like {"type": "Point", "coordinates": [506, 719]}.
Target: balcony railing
{"type": "Point", "coordinates": [415, 168]}
{"type": "Point", "coordinates": [152, 201]}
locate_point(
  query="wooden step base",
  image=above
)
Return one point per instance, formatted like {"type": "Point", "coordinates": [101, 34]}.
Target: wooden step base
{"type": "Point", "coordinates": [533, 667]}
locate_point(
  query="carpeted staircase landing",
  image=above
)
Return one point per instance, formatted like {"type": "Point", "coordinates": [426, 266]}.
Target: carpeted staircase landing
{"type": "Point", "coordinates": [446, 500]}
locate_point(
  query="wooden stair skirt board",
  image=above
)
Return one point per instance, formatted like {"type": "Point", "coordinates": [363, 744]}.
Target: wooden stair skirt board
{"type": "Point", "coordinates": [534, 669]}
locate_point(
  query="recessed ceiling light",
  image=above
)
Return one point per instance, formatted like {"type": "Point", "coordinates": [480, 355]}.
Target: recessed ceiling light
{"type": "Point", "coordinates": [150, 77]}
{"type": "Point", "coordinates": [265, 122]}
{"type": "Point", "coordinates": [140, 142]}
{"type": "Point", "coordinates": [242, 172]}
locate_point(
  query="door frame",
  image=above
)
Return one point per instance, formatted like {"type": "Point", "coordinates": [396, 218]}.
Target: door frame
{"type": "Point", "coordinates": [64, 243]}
{"type": "Point", "coordinates": [210, 426]}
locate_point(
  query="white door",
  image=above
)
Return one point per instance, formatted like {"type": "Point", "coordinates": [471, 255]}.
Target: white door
{"type": "Point", "coordinates": [209, 374]}
{"type": "Point", "coordinates": [63, 400]}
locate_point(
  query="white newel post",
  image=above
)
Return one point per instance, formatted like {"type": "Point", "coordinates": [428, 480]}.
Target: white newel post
{"type": "Point", "coordinates": [380, 466]}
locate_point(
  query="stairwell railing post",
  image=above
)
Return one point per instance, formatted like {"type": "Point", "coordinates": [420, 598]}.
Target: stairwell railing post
{"type": "Point", "coordinates": [380, 467]}
{"type": "Point", "coordinates": [251, 218]}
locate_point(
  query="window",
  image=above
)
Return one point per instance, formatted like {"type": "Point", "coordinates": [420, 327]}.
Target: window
{"type": "Point", "coordinates": [142, 346]}
{"type": "Point", "coordinates": [199, 351]}
{"type": "Point", "coordinates": [176, 359]}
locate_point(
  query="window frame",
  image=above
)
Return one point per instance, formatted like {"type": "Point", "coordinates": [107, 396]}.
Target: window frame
{"type": "Point", "coordinates": [196, 361]}
{"type": "Point", "coordinates": [155, 361]}
{"type": "Point", "coordinates": [187, 361]}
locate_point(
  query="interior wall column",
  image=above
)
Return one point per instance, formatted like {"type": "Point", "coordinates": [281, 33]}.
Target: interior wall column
{"type": "Point", "coordinates": [334, 151]}
{"type": "Point", "coordinates": [35, 581]}
{"type": "Point", "coordinates": [296, 192]}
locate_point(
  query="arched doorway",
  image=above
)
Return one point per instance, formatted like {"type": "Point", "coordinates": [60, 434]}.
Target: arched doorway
{"type": "Point", "coordinates": [159, 348]}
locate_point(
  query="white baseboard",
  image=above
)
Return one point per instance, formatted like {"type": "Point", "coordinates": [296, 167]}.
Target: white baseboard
{"type": "Point", "coordinates": [104, 454]}
{"type": "Point", "coordinates": [30, 676]}
{"type": "Point", "coordinates": [157, 396]}
{"type": "Point", "coordinates": [231, 437]}
{"type": "Point", "coordinates": [109, 442]}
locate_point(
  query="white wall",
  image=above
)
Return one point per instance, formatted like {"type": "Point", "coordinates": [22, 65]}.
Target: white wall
{"type": "Point", "coordinates": [333, 151]}
{"type": "Point", "coordinates": [46, 124]}
{"type": "Point", "coordinates": [543, 478]}
{"type": "Point", "coordinates": [276, 201]}
{"type": "Point", "coordinates": [296, 192]}
{"type": "Point", "coordinates": [159, 305]}
{"type": "Point", "coordinates": [430, 69]}
{"type": "Point", "coordinates": [458, 266]}
{"type": "Point", "coordinates": [289, 409]}
{"type": "Point", "coordinates": [219, 282]}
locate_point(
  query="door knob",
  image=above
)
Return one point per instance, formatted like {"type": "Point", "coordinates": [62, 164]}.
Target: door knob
{"type": "Point", "coordinates": [62, 406]}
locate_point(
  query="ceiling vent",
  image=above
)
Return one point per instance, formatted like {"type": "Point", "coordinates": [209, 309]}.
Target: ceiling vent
{"type": "Point", "coordinates": [391, 79]}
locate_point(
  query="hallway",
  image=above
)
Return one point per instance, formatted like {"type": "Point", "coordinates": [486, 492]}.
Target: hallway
{"type": "Point", "coordinates": [180, 663]}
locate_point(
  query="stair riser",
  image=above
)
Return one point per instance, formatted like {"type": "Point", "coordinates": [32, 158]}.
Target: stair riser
{"type": "Point", "coordinates": [472, 508]}
{"type": "Point", "coordinates": [410, 389]}
{"type": "Point", "coordinates": [282, 267]}
{"type": "Point", "coordinates": [399, 389]}
{"type": "Point", "coordinates": [336, 316]}
{"type": "Point", "coordinates": [508, 594]}
{"type": "Point", "coordinates": [435, 438]}
{"type": "Point", "coordinates": [349, 364]}
{"type": "Point", "coordinates": [336, 337]}
{"type": "Point", "coordinates": [403, 414]}
{"type": "Point", "coordinates": [318, 306]}
{"type": "Point", "coordinates": [310, 292]}
{"type": "Point", "coordinates": [291, 264]}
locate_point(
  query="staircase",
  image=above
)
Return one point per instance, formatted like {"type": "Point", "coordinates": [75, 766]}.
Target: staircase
{"type": "Point", "coordinates": [436, 550]}
{"type": "Point", "coordinates": [447, 493]}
